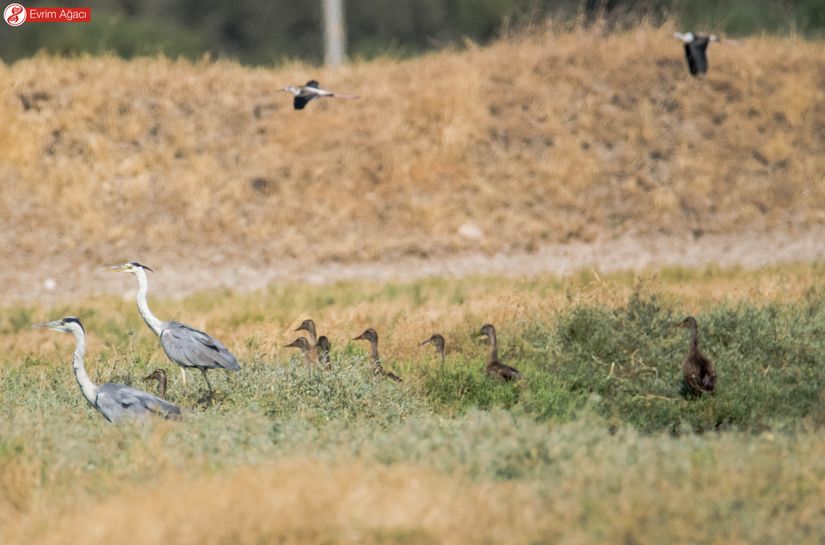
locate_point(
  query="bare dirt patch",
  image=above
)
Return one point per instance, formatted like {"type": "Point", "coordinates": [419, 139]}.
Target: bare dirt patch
{"type": "Point", "coordinates": [63, 278]}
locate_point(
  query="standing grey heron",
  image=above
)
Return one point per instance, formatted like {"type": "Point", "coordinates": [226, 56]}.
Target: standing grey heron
{"type": "Point", "coordinates": [696, 46]}
{"type": "Point", "coordinates": [304, 93]}
{"type": "Point", "coordinates": [114, 401]}
{"type": "Point", "coordinates": [184, 345]}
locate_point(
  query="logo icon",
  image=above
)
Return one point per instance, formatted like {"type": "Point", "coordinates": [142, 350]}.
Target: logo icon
{"type": "Point", "coordinates": [14, 14]}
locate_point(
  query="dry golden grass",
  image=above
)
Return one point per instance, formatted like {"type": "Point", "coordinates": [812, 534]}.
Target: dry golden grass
{"type": "Point", "coordinates": [551, 137]}
{"type": "Point", "coordinates": [623, 490]}
{"type": "Point", "coordinates": [256, 469]}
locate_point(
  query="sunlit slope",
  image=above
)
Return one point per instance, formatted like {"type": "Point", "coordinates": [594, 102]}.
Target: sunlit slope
{"type": "Point", "coordinates": [549, 138]}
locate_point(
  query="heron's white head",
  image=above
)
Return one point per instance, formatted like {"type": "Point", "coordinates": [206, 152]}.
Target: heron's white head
{"type": "Point", "coordinates": [132, 267]}
{"type": "Point", "coordinates": [686, 37]}
{"type": "Point", "coordinates": [292, 89]}
{"type": "Point", "coordinates": [69, 324]}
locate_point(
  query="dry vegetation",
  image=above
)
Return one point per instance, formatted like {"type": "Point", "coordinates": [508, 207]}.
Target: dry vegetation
{"type": "Point", "coordinates": [287, 455]}
{"type": "Point", "coordinates": [552, 137]}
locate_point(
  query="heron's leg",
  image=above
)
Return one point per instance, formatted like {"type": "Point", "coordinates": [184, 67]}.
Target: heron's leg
{"type": "Point", "coordinates": [206, 378]}
{"type": "Point", "coordinates": [183, 374]}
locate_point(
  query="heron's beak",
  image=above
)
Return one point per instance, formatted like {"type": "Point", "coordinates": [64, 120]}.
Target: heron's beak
{"type": "Point", "coordinates": [359, 337]}
{"type": "Point", "coordinates": [422, 343]}
{"type": "Point", "coordinates": [113, 268]}
{"type": "Point", "coordinates": [47, 325]}
{"type": "Point", "coordinates": [293, 344]}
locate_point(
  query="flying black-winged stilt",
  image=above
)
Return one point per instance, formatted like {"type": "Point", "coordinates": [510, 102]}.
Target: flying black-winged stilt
{"type": "Point", "coordinates": [696, 46]}
{"type": "Point", "coordinates": [312, 89]}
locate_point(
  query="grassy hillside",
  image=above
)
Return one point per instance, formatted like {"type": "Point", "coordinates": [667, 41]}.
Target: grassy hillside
{"type": "Point", "coordinates": [553, 137]}
{"type": "Point", "coordinates": [595, 445]}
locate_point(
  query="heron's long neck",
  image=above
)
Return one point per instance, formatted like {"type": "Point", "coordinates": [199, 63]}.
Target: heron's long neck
{"type": "Point", "coordinates": [143, 307]}
{"type": "Point", "coordinates": [493, 347]}
{"type": "Point", "coordinates": [376, 359]}
{"type": "Point", "coordinates": [694, 339]}
{"type": "Point", "coordinates": [86, 385]}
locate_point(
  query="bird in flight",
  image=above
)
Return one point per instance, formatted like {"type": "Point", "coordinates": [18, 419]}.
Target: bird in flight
{"type": "Point", "coordinates": [696, 46]}
{"type": "Point", "coordinates": [312, 89]}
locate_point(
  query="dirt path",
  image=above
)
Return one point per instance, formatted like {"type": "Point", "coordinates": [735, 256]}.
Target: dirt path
{"type": "Point", "coordinates": [58, 281]}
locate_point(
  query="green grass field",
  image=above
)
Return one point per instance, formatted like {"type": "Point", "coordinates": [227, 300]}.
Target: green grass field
{"type": "Point", "coordinates": [596, 444]}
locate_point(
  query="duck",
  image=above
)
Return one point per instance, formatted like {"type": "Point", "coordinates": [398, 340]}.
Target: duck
{"type": "Point", "coordinates": [699, 373]}
{"type": "Point", "coordinates": [372, 336]}
{"type": "Point", "coordinates": [320, 344]}
{"type": "Point", "coordinates": [308, 325]}
{"type": "Point", "coordinates": [303, 345]}
{"type": "Point", "coordinates": [160, 376]}
{"type": "Point", "coordinates": [437, 340]}
{"type": "Point", "coordinates": [496, 369]}
{"type": "Point", "coordinates": [322, 348]}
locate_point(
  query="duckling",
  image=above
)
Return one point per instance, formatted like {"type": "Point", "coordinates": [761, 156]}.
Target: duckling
{"type": "Point", "coordinates": [322, 351]}
{"type": "Point", "coordinates": [371, 336]}
{"type": "Point", "coordinates": [436, 340]}
{"type": "Point", "coordinates": [309, 326]}
{"type": "Point", "coordinates": [303, 345]}
{"type": "Point", "coordinates": [160, 376]}
{"type": "Point", "coordinates": [495, 368]}
{"type": "Point", "coordinates": [700, 376]}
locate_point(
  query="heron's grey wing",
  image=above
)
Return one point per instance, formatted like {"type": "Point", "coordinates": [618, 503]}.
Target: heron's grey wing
{"type": "Point", "coordinates": [116, 401]}
{"type": "Point", "coordinates": [190, 347]}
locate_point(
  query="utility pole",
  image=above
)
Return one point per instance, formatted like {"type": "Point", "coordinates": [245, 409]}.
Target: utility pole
{"type": "Point", "coordinates": [334, 32]}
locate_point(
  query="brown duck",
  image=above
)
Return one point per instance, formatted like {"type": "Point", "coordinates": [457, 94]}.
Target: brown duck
{"type": "Point", "coordinates": [160, 376]}
{"type": "Point", "coordinates": [371, 336]}
{"type": "Point", "coordinates": [309, 326]}
{"type": "Point", "coordinates": [495, 368]}
{"type": "Point", "coordinates": [322, 348]}
{"type": "Point", "coordinates": [436, 340]}
{"type": "Point", "coordinates": [320, 344]}
{"type": "Point", "coordinates": [303, 345]}
{"type": "Point", "coordinates": [700, 376]}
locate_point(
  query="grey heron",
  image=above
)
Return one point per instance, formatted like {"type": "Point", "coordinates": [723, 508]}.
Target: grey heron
{"type": "Point", "coordinates": [696, 46]}
{"type": "Point", "coordinates": [371, 336]}
{"type": "Point", "coordinates": [304, 93]}
{"type": "Point", "coordinates": [186, 346]}
{"type": "Point", "coordinates": [160, 376]}
{"type": "Point", "coordinates": [114, 401]}
{"type": "Point", "coordinates": [495, 368]}
{"type": "Point", "coordinates": [437, 340]}
{"type": "Point", "coordinates": [699, 374]}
